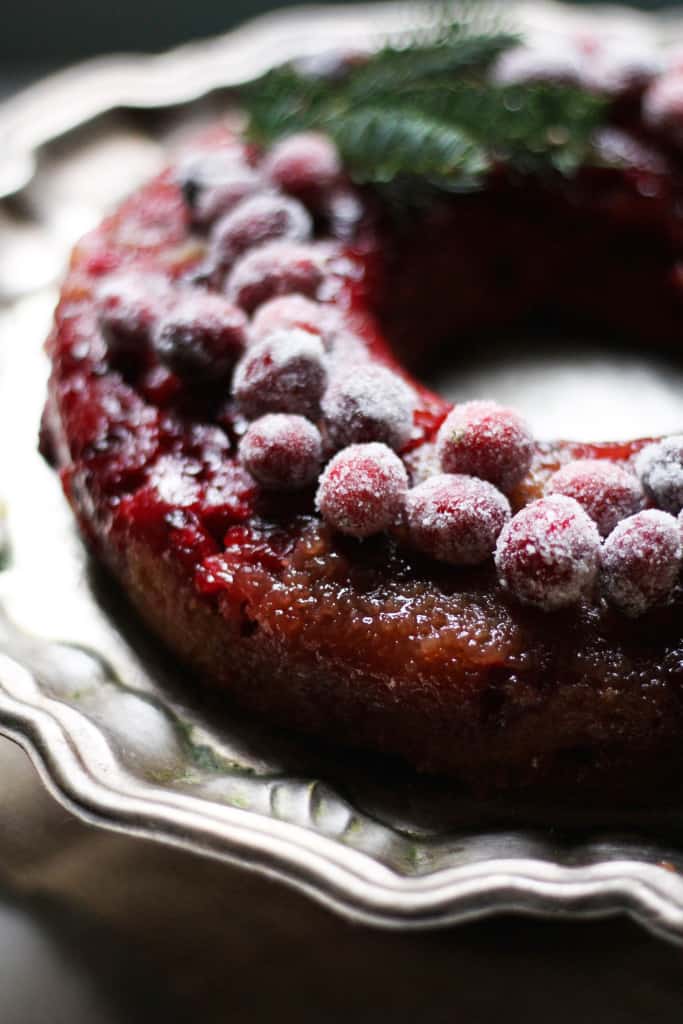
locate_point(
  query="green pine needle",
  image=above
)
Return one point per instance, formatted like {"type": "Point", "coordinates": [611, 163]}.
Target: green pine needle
{"type": "Point", "coordinates": [423, 112]}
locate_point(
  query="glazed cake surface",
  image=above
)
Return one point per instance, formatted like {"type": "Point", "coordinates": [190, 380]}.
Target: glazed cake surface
{"type": "Point", "coordinates": [370, 643]}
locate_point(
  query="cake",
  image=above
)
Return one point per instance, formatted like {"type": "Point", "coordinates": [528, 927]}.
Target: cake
{"type": "Point", "coordinates": [308, 527]}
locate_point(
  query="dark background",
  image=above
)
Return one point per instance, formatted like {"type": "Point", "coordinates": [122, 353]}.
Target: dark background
{"type": "Point", "coordinates": [58, 30]}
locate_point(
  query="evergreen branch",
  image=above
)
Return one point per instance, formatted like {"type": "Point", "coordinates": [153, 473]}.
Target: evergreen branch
{"type": "Point", "coordinates": [423, 111]}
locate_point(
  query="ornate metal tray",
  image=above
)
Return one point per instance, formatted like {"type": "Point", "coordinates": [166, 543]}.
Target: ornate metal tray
{"type": "Point", "coordinates": [116, 731]}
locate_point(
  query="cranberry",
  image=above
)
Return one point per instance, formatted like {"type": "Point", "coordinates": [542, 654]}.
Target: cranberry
{"type": "Point", "coordinates": [660, 468]}
{"type": "Point", "coordinates": [278, 268]}
{"type": "Point", "coordinates": [259, 219]}
{"type": "Point", "coordinates": [606, 491]}
{"type": "Point", "coordinates": [456, 519]}
{"type": "Point", "coordinates": [129, 305]}
{"type": "Point", "coordinates": [203, 335]}
{"type": "Point", "coordinates": [368, 403]}
{"type": "Point", "coordinates": [617, 66]}
{"type": "Point", "coordinates": [293, 311]}
{"type": "Point", "coordinates": [303, 163]}
{"type": "Point", "coordinates": [663, 106]}
{"type": "Point", "coordinates": [553, 64]}
{"type": "Point", "coordinates": [285, 372]}
{"type": "Point", "coordinates": [282, 452]}
{"type": "Point", "coordinates": [641, 560]}
{"type": "Point", "coordinates": [214, 182]}
{"type": "Point", "coordinates": [362, 490]}
{"type": "Point", "coordinates": [487, 440]}
{"type": "Point", "coordinates": [547, 555]}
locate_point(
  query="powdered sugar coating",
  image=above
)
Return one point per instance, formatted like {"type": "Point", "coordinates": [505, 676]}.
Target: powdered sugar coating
{"type": "Point", "coordinates": [547, 556]}
{"type": "Point", "coordinates": [660, 468]}
{"type": "Point", "coordinates": [129, 304]}
{"type": "Point", "coordinates": [663, 105]}
{"type": "Point", "coordinates": [641, 561]}
{"type": "Point", "coordinates": [294, 311]}
{"type": "Point", "coordinates": [608, 492]}
{"type": "Point", "coordinates": [303, 163]}
{"type": "Point", "coordinates": [456, 519]}
{"type": "Point", "coordinates": [278, 268]}
{"type": "Point", "coordinates": [202, 335]}
{"type": "Point", "coordinates": [487, 440]}
{"type": "Point", "coordinates": [362, 490]}
{"type": "Point", "coordinates": [368, 403]}
{"type": "Point", "coordinates": [554, 63]}
{"type": "Point", "coordinates": [256, 220]}
{"type": "Point", "coordinates": [284, 372]}
{"type": "Point", "coordinates": [282, 452]}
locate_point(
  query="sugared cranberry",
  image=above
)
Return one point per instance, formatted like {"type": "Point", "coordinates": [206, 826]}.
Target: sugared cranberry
{"type": "Point", "coordinates": [663, 106]}
{"type": "Point", "coordinates": [547, 555]}
{"type": "Point", "coordinates": [456, 519]}
{"type": "Point", "coordinates": [129, 306]}
{"type": "Point", "coordinates": [614, 66]}
{"type": "Point", "coordinates": [284, 372]}
{"type": "Point", "coordinates": [520, 65]}
{"type": "Point", "coordinates": [215, 181]}
{"type": "Point", "coordinates": [202, 335]}
{"type": "Point", "coordinates": [660, 468]}
{"type": "Point", "coordinates": [366, 403]}
{"type": "Point", "coordinates": [278, 268]}
{"type": "Point", "coordinates": [641, 560]}
{"type": "Point", "coordinates": [294, 311]}
{"type": "Point", "coordinates": [303, 163]}
{"type": "Point", "coordinates": [362, 490]}
{"type": "Point", "coordinates": [608, 493]}
{"type": "Point", "coordinates": [282, 451]}
{"type": "Point", "coordinates": [259, 219]}
{"type": "Point", "coordinates": [487, 440]}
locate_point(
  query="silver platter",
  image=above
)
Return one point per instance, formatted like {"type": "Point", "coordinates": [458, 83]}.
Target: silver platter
{"type": "Point", "coordinates": [117, 731]}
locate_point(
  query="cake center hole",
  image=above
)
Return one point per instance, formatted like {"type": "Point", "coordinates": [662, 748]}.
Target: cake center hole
{"type": "Point", "coordinates": [567, 385]}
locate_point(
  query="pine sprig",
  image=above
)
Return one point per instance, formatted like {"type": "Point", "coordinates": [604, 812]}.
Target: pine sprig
{"type": "Point", "coordinates": [424, 112]}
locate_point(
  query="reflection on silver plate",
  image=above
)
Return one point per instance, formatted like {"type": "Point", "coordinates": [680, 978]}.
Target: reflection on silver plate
{"type": "Point", "coordinates": [118, 732]}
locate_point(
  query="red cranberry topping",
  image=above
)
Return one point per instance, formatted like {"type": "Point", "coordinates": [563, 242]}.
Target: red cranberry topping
{"type": "Point", "coordinates": [278, 268]}
{"type": "Point", "coordinates": [293, 311]}
{"type": "Point", "coordinates": [660, 468]}
{"type": "Point", "coordinates": [282, 451]}
{"type": "Point", "coordinates": [213, 182]}
{"type": "Point", "coordinates": [259, 219]}
{"type": "Point", "coordinates": [285, 372]}
{"type": "Point", "coordinates": [547, 555]}
{"type": "Point", "coordinates": [641, 560]}
{"type": "Point", "coordinates": [362, 490]}
{"type": "Point", "coordinates": [368, 403]}
{"type": "Point", "coordinates": [203, 335]}
{"type": "Point", "coordinates": [663, 106]}
{"type": "Point", "coordinates": [303, 163]}
{"type": "Point", "coordinates": [129, 305]}
{"type": "Point", "coordinates": [608, 492]}
{"type": "Point", "coordinates": [456, 519]}
{"type": "Point", "coordinates": [487, 440]}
